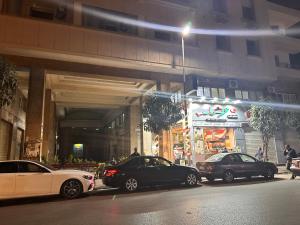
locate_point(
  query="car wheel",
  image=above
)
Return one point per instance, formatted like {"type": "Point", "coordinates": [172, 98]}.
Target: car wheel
{"type": "Point", "coordinates": [269, 174]}
{"type": "Point", "coordinates": [210, 178]}
{"type": "Point", "coordinates": [131, 184]}
{"type": "Point", "coordinates": [191, 180]}
{"type": "Point", "coordinates": [228, 176]}
{"type": "Point", "coordinates": [71, 189]}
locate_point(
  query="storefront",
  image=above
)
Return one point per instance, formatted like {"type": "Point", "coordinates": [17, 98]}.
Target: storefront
{"type": "Point", "coordinates": [216, 128]}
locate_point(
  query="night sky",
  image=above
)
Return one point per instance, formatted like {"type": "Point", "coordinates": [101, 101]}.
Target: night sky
{"type": "Point", "coordinates": [289, 3]}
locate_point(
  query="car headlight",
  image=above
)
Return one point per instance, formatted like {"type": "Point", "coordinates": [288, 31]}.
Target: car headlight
{"type": "Point", "coordinates": [88, 177]}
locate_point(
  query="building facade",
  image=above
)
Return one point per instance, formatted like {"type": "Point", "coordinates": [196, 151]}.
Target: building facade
{"type": "Point", "coordinates": [84, 68]}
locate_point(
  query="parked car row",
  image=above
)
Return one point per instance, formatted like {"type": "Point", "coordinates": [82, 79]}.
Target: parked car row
{"type": "Point", "coordinates": [24, 178]}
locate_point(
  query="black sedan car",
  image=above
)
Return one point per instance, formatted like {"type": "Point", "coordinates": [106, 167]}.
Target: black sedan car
{"type": "Point", "coordinates": [140, 171]}
{"type": "Point", "coordinates": [232, 165]}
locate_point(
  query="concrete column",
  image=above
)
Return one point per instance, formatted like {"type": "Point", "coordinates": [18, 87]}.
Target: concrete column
{"type": "Point", "coordinates": [35, 113]}
{"type": "Point", "coordinates": [135, 130]}
{"type": "Point", "coordinates": [49, 129]}
{"type": "Point", "coordinates": [77, 14]}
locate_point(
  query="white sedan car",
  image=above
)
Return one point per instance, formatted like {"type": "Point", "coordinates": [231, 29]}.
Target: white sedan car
{"type": "Point", "coordinates": [22, 178]}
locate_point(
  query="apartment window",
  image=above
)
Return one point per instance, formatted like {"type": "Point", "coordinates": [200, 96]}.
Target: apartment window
{"type": "Point", "coordinates": [211, 92]}
{"type": "Point", "coordinates": [222, 93]}
{"type": "Point", "coordinates": [162, 35]}
{"type": "Point", "coordinates": [214, 93]}
{"type": "Point", "coordinates": [240, 94]}
{"type": "Point", "coordinates": [253, 48]}
{"type": "Point", "coordinates": [248, 10]}
{"type": "Point", "coordinates": [255, 95]}
{"type": "Point", "coordinates": [207, 92]}
{"type": "Point", "coordinates": [289, 98]}
{"type": "Point", "coordinates": [220, 6]}
{"type": "Point", "coordinates": [92, 18]}
{"type": "Point", "coordinates": [223, 43]}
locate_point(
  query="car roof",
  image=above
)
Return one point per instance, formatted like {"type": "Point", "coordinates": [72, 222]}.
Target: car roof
{"type": "Point", "coordinates": [21, 160]}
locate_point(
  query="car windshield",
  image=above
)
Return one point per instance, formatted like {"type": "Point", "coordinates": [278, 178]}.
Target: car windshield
{"type": "Point", "coordinates": [123, 161]}
{"type": "Point", "coordinates": [46, 166]}
{"type": "Point", "coordinates": [216, 158]}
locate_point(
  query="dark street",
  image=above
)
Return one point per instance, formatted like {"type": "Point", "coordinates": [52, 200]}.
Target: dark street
{"type": "Point", "coordinates": [245, 202]}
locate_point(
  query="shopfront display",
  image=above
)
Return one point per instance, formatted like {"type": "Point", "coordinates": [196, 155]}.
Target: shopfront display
{"type": "Point", "coordinates": [214, 129]}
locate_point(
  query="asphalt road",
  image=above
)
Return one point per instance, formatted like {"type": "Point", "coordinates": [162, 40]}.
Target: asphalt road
{"type": "Point", "coordinates": [256, 202]}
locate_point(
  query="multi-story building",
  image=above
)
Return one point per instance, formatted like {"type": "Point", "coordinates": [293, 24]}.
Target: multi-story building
{"type": "Point", "coordinates": [84, 67]}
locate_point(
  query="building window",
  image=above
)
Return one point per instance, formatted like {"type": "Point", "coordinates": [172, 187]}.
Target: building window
{"type": "Point", "coordinates": [253, 48]}
{"type": "Point", "coordinates": [211, 92]}
{"type": "Point", "coordinates": [248, 10]}
{"type": "Point", "coordinates": [162, 35]}
{"type": "Point", "coordinates": [92, 18]}
{"type": "Point", "coordinates": [223, 43]}
{"type": "Point", "coordinates": [214, 93]}
{"type": "Point", "coordinates": [239, 94]}
{"type": "Point", "coordinates": [207, 92]}
{"type": "Point", "coordinates": [289, 98]}
{"type": "Point", "coordinates": [220, 6]}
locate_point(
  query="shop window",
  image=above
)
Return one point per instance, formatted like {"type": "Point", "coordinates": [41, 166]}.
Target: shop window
{"type": "Point", "coordinates": [92, 18]}
{"type": "Point", "coordinates": [253, 48]}
{"type": "Point", "coordinates": [223, 43]}
{"type": "Point", "coordinates": [220, 6]}
{"type": "Point", "coordinates": [248, 10]}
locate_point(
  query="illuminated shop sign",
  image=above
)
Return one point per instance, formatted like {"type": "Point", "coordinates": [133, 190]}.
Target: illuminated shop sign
{"type": "Point", "coordinates": [217, 115]}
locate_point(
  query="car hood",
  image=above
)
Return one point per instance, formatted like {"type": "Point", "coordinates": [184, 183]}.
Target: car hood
{"type": "Point", "coordinates": [74, 172]}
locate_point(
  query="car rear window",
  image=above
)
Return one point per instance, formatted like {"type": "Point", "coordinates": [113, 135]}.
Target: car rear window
{"type": "Point", "coordinates": [8, 167]}
{"type": "Point", "coordinates": [216, 158]}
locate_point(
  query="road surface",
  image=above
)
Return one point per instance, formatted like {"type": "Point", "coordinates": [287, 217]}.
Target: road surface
{"type": "Point", "coordinates": [248, 203]}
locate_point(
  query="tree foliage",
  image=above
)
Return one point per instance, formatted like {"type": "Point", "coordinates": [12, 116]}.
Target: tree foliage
{"type": "Point", "coordinates": [160, 113]}
{"type": "Point", "coordinates": [266, 120]}
{"type": "Point", "coordinates": [8, 82]}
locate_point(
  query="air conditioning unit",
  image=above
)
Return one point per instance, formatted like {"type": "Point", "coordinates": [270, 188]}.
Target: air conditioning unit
{"type": "Point", "coordinates": [233, 84]}
{"type": "Point", "coordinates": [271, 89]}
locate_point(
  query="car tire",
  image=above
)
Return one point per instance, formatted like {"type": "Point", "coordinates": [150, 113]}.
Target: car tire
{"type": "Point", "coordinates": [191, 180]}
{"type": "Point", "coordinates": [228, 176]}
{"type": "Point", "coordinates": [131, 184]}
{"type": "Point", "coordinates": [71, 189]}
{"type": "Point", "coordinates": [269, 174]}
{"type": "Point", "coordinates": [210, 178]}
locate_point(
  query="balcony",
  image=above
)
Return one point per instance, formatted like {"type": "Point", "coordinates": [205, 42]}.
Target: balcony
{"type": "Point", "coordinates": [47, 40]}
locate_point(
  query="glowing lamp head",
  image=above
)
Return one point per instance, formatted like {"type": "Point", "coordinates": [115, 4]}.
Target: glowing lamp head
{"type": "Point", "coordinates": [186, 30]}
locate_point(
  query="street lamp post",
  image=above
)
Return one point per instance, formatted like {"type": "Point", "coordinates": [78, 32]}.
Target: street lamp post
{"type": "Point", "coordinates": [185, 32]}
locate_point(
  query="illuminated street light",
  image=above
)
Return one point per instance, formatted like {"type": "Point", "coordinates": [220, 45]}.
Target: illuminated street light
{"type": "Point", "coordinates": [186, 30]}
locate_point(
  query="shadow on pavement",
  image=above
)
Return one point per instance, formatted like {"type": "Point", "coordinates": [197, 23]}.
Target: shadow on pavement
{"type": "Point", "coordinates": [240, 181]}
{"type": "Point", "coordinates": [143, 191]}
{"type": "Point", "coordinates": [31, 200]}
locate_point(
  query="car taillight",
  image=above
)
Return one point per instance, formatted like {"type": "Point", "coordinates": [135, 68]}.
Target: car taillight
{"type": "Point", "coordinates": [110, 173]}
